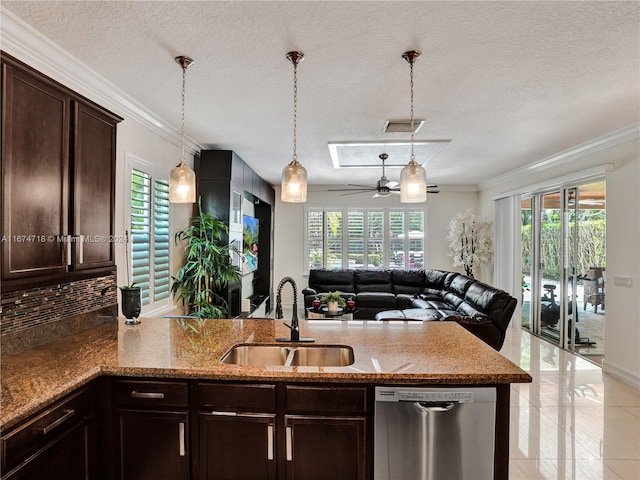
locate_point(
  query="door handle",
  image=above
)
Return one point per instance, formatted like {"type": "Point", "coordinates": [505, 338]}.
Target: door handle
{"type": "Point", "coordinates": [67, 414]}
{"type": "Point", "coordinates": [182, 449]}
{"type": "Point", "coordinates": [435, 406]}
{"type": "Point", "coordinates": [156, 395]}
{"type": "Point", "coordinates": [269, 442]}
{"type": "Point", "coordinates": [289, 435]}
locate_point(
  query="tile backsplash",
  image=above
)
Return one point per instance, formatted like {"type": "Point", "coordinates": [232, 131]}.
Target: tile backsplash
{"type": "Point", "coordinates": [33, 317]}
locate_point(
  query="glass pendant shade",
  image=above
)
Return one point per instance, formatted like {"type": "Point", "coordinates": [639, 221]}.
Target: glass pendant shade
{"type": "Point", "coordinates": [182, 185]}
{"type": "Point", "coordinates": [294, 183]}
{"type": "Point", "coordinates": [413, 183]}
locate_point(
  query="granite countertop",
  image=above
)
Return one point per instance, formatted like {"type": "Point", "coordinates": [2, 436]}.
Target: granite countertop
{"type": "Point", "coordinates": [385, 353]}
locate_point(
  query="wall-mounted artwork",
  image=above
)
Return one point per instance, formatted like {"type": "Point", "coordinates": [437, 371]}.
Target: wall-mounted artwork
{"type": "Point", "coordinates": [250, 235]}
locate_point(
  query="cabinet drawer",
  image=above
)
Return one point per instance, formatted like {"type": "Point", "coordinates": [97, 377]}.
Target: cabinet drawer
{"type": "Point", "coordinates": [237, 397]}
{"type": "Point", "coordinates": [150, 393]}
{"type": "Point", "coordinates": [45, 427]}
{"type": "Point", "coordinates": [326, 399]}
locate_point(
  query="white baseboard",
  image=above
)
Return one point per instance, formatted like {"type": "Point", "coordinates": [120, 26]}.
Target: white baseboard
{"type": "Point", "coordinates": [621, 374]}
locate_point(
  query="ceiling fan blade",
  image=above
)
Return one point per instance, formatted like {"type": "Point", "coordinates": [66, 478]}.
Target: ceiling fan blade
{"type": "Point", "coordinates": [392, 184]}
{"type": "Point", "coordinates": [429, 190]}
{"type": "Point", "coordinates": [368, 189]}
{"type": "Point", "coordinates": [354, 192]}
{"type": "Point", "coordinates": [395, 192]}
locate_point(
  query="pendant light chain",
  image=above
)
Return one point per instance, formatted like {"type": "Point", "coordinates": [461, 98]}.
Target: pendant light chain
{"type": "Point", "coordinates": [184, 76]}
{"type": "Point", "coordinates": [411, 114]}
{"type": "Point", "coordinates": [295, 109]}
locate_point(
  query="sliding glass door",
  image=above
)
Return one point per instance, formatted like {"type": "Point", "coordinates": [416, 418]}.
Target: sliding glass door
{"type": "Point", "coordinates": [563, 254]}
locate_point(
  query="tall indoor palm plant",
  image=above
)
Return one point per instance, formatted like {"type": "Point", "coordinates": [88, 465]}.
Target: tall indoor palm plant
{"type": "Point", "coordinates": [208, 267]}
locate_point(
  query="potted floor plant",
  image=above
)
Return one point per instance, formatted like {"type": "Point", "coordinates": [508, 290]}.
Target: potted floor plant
{"type": "Point", "coordinates": [208, 268]}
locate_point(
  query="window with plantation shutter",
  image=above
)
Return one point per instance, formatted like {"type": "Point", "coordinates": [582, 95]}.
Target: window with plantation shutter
{"type": "Point", "coordinates": [150, 238]}
{"type": "Point", "coordinates": [371, 238]}
{"type": "Point", "coordinates": [140, 235]}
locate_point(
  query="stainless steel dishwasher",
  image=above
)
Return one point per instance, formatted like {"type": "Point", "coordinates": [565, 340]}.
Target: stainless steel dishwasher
{"type": "Point", "coordinates": [434, 433]}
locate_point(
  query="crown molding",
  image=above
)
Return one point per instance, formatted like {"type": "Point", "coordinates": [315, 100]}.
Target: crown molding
{"type": "Point", "coordinates": [601, 143]}
{"type": "Point", "coordinates": [31, 47]}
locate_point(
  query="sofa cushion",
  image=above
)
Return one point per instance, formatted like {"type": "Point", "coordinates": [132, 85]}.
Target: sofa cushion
{"type": "Point", "coordinates": [373, 281]}
{"type": "Point", "coordinates": [407, 281]}
{"type": "Point", "coordinates": [434, 279]}
{"type": "Point", "coordinates": [469, 311]}
{"type": "Point", "coordinates": [322, 280]}
{"type": "Point", "coordinates": [390, 315]}
{"type": "Point", "coordinates": [382, 300]}
{"type": "Point", "coordinates": [496, 303]}
{"type": "Point", "coordinates": [459, 285]}
{"type": "Point", "coordinates": [424, 314]}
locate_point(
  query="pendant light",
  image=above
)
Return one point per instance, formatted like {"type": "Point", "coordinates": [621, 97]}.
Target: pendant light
{"type": "Point", "coordinates": [294, 175]}
{"type": "Point", "coordinates": [413, 177]}
{"type": "Point", "coordinates": [182, 180]}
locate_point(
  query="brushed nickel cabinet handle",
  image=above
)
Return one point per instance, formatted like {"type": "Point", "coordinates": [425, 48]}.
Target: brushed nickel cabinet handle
{"type": "Point", "coordinates": [289, 444]}
{"type": "Point", "coordinates": [67, 415]}
{"type": "Point", "coordinates": [156, 395]}
{"type": "Point", "coordinates": [181, 438]}
{"type": "Point", "coordinates": [269, 442]}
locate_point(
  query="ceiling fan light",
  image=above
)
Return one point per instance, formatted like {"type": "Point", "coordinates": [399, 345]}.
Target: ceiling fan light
{"type": "Point", "coordinates": [294, 183]}
{"type": "Point", "coordinates": [413, 183]}
{"type": "Point", "coordinates": [182, 185]}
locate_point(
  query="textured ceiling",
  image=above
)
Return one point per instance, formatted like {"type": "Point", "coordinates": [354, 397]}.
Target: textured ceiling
{"type": "Point", "coordinates": [508, 83]}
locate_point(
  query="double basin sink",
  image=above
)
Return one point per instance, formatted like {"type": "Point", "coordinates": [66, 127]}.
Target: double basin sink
{"type": "Point", "coordinates": [290, 355]}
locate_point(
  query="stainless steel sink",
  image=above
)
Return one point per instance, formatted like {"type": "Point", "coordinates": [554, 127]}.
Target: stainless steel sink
{"type": "Point", "coordinates": [256, 355]}
{"type": "Point", "coordinates": [321, 356]}
{"type": "Point", "coordinates": [307, 355]}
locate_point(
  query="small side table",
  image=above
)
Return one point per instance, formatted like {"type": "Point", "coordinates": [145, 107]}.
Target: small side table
{"type": "Point", "coordinates": [323, 313]}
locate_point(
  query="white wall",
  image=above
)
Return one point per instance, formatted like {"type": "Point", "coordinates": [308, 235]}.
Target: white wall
{"type": "Point", "coordinates": [289, 227]}
{"type": "Point", "coordinates": [622, 327]}
{"type": "Point", "coordinates": [138, 140]}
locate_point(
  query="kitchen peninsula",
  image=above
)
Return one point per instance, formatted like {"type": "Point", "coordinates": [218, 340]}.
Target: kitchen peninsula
{"type": "Point", "coordinates": [183, 357]}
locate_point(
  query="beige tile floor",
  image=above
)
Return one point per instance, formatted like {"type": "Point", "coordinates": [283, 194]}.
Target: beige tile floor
{"type": "Point", "coordinates": [573, 421]}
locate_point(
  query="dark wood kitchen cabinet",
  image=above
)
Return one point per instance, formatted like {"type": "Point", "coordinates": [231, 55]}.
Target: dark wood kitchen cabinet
{"type": "Point", "coordinates": [58, 181]}
{"type": "Point", "coordinates": [265, 431]}
{"type": "Point", "coordinates": [237, 424]}
{"type": "Point", "coordinates": [325, 432]}
{"type": "Point", "coordinates": [58, 442]}
{"type": "Point", "coordinates": [151, 429]}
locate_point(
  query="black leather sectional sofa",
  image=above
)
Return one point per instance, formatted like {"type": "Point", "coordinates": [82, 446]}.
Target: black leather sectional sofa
{"type": "Point", "coordinates": [422, 295]}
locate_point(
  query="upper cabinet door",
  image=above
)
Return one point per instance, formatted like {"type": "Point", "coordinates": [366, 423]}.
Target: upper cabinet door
{"type": "Point", "coordinates": [35, 167]}
{"type": "Point", "coordinates": [94, 163]}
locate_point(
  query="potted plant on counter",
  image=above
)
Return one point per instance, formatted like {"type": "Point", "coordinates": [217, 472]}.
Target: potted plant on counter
{"type": "Point", "coordinates": [208, 267]}
{"type": "Point", "coordinates": [131, 302]}
{"type": "Point", "coordinates": [333, 300]}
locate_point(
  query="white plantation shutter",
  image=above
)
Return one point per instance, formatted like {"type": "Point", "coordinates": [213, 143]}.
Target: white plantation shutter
{"type": "Point", "coordinates": [315, 239]}
{"type": "Point", "coordinates": [161, 240]}
{"type": "Point", "coordinates": [372, 238]}
{"type": "Point", "coordinates": [150, 238]}
{"type": "Point", "coordinates": [141, 231]}
{"type": "Point", "coordinates": [355, 236]}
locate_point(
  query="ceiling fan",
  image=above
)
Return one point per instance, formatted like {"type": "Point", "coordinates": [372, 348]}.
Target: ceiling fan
{"type": "Point", "coordinates": [384, 187]}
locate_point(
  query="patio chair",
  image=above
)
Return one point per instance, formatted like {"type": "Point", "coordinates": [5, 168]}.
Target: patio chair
{"type": "Point", "coordinates": [593, 281]}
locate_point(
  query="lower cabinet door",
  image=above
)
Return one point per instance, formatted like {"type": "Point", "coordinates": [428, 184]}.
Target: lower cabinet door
{"type": "Point", "coordinates": [321, 448]}
{"type": "Point", "coordinates": [153, 445]}
{"type": "Point", "coordinates": [67, 457]}
{"type": "Point", "coordinates": [237, 446]}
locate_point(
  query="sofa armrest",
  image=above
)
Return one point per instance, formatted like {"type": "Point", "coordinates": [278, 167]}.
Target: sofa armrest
{"type": "Point", "coordinates": [483, 328]}
{"type": "Point", "coordinates": [309, 291]}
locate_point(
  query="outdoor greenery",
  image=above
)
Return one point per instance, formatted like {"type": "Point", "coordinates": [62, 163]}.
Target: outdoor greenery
{"type": "Point", "coordinates": [591, 245]}
{"type": "Point", "coordinates": [208, 267]}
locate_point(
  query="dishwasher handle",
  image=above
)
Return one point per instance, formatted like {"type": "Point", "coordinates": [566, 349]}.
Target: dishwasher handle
{"type": "Point", "coordinates": [435, 406]}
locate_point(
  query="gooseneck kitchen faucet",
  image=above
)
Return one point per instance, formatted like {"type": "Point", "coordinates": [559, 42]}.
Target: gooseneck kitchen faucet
{"type": "Point", "coordinates": [295, 326]}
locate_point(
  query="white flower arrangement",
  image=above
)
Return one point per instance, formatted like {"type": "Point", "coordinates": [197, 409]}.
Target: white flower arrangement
{"type": "Point", "coordinates": [470, 240]}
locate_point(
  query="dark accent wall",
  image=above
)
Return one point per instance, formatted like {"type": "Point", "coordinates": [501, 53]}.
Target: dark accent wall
{"type": "Point", "coordinates": [221, 175]}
